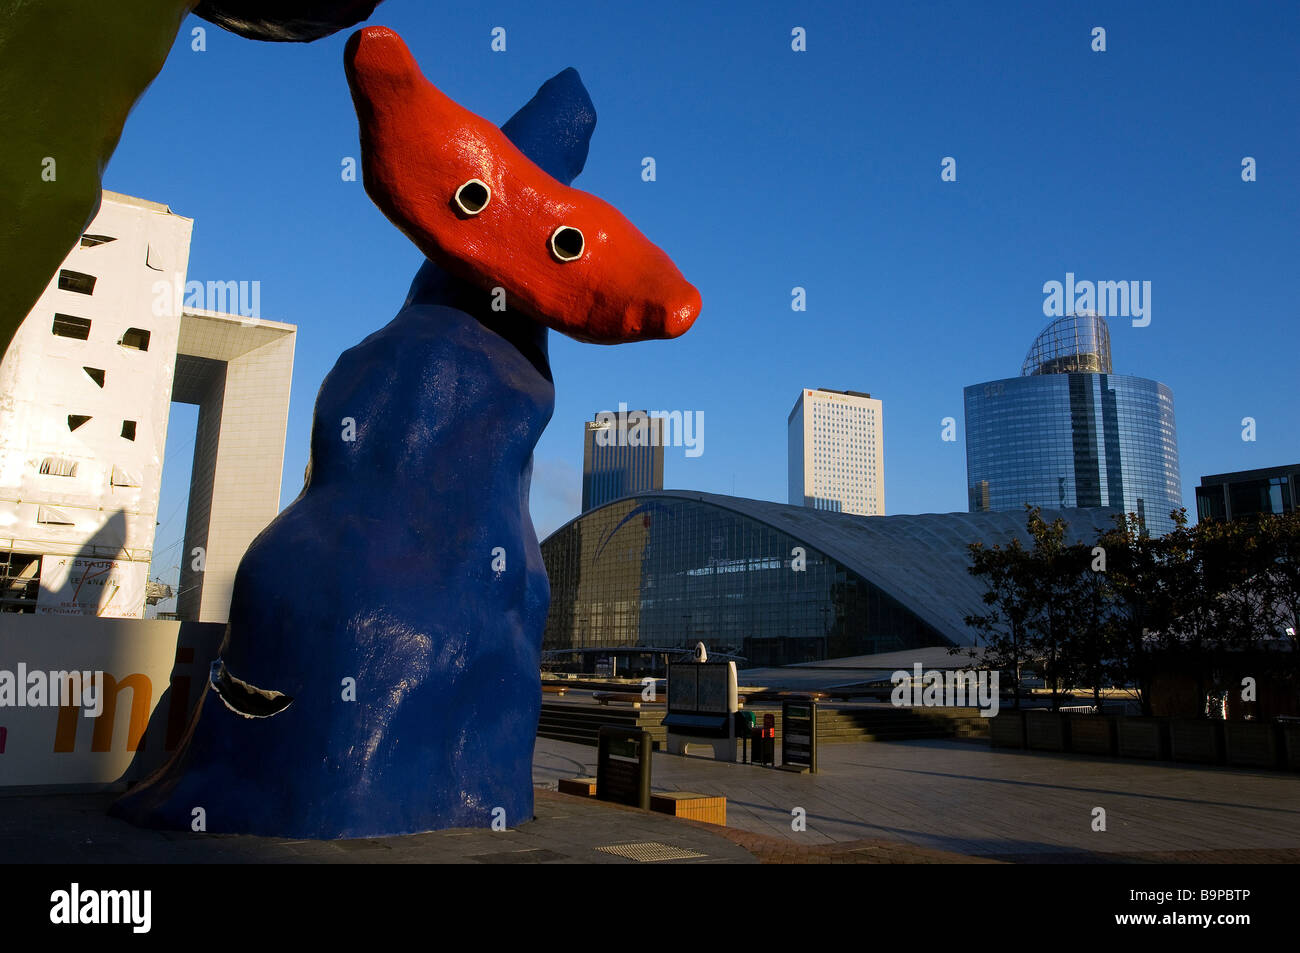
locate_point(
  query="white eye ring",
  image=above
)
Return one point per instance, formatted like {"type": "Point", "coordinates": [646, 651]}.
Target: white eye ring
{"type": "Point", "coordinates": [473, 197]}
{"type": "Point", "coordinates": [567, 243]}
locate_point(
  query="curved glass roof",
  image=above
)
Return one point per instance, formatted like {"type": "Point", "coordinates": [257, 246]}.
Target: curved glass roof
{"type": "Point", "coordinates": [919, 560]}
{"type": "Point", "coordinates": [1074, 344]}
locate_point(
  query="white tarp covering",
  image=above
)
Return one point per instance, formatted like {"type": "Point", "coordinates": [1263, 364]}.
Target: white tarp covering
{"type": "Point", "coordinates": [80, 585]}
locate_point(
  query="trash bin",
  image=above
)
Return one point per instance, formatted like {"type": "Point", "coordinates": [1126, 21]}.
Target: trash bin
{"type": "Point", "coordinates": [745, 731]}
{"type": "Point", "coordinates": [765, 741]}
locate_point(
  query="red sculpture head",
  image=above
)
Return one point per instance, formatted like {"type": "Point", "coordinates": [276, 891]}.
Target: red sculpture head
{"type": "Point", "coordinates": [473, 203]}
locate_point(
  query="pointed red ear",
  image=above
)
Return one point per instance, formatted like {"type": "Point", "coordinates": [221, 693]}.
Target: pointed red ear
{"type": "Point", "coordinates": [473, 203]}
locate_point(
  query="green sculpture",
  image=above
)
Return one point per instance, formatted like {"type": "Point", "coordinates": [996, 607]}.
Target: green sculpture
{"type": "Point", "coordinates": [70, 71]}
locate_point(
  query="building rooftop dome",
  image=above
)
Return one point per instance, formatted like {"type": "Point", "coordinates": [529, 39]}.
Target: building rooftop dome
{"type": "Point", "coordinates": [1074, 344]}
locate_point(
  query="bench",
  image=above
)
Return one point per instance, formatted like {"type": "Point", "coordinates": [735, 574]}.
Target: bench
{"type": "Point", "coordinates": [769, 695]}
{"type": "Point", "coordinates": [712, 809]}
{"type": "Point", "coordinates": [696, 807]}
{"type": "Point", "coordinates": [627, 698]}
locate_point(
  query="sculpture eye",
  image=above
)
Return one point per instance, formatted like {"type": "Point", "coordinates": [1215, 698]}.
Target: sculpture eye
{"type": "Point", "coordinates": [473, 197]}
{"type": "Point", "coordinates": [567, 243]}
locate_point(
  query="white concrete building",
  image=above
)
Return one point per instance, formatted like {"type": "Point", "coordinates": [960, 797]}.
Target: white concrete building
{"type": "Point", "coordinates": [85, 393]}
{"type": "Point", "coordinates": [836, 452]}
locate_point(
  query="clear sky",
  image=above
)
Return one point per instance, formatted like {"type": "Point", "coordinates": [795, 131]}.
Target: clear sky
{"type": "Point", "coordinates": [818, 169]}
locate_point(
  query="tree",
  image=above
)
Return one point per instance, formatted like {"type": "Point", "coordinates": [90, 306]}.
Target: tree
{"type": "Point", "coordinates": [1058, 597]}
{"type": "Point", "coordinates": [1095, 638]}
{"type": "Point", "coordinates": [1006, 574]}
{"type": "Point", "coordinates": [1280, 543]}
{"type": "Point", "coordinates": [1146, 580]}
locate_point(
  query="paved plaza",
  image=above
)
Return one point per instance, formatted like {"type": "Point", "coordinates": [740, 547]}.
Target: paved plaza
{"type": "Point", "coordinates": [903, 802]}
{"type": "Point", "coordinates": [968, 798]}
{"type": "Point", "coordinates": [75, 829]}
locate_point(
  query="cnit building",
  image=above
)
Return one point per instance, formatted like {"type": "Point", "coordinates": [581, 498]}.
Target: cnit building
{"type": "Point", "coordinates": [773, 583]}
{"type": "Point", "coordinates": [1068, 432]}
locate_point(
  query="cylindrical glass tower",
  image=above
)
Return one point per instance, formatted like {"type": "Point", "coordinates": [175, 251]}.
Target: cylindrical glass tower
{"type": "Point", "coordinates": [1069, 433]}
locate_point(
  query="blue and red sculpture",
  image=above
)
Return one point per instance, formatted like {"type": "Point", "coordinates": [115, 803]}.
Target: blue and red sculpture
{"type": "Point", "coordinates": [408, 568]}
{"type": "Point", "coordinates": [477, 206]}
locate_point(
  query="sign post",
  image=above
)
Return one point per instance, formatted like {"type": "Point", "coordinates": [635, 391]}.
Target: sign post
{"type": "Point", "coordinates": [623, 766]}
{"type": "Point", "coordinates": [799, 735]}
{"type": "Point", "coordinates": [702, 702]}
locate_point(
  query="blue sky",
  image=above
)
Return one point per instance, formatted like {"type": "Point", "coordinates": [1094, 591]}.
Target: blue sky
{"type": "Point", "coordinates": [818, 169]}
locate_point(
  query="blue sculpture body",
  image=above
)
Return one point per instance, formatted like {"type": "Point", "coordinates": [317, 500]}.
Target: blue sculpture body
{"type": "Point", "coordinates": [408, 564]}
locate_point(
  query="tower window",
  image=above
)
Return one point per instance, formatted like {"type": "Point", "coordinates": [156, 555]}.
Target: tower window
{"type": "Point", "coordinates": [96, 374]}
{"type": "Point", "coordinates": [76, 420]}
{"type": "Point", "coordinates": [66, 326]}
{"type": "Point", "coordinates": [90, 241]}
{"type": "Point", "coordinates": [128, 429]}
{"type": "Point", "coordinates": [76, 281]}
{"type": "Point", "coordinates": [136, 338]}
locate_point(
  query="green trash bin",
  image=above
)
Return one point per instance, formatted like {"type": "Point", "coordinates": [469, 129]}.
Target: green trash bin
{"type": "Point", "coordinates": [745, 721]}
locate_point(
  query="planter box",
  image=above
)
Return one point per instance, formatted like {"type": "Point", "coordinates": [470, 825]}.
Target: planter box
{"type": "Point", "coordinates": [1007, 729]}
{"type": "Point", "coordinates": [1092, 734]}
{"type": "Point", "coordinates": [583, 787]}
{"type": "Point", "coordinates": [1196, 739]}
{"type": "Point", "coordinates": [698, 807]}
{"type": "Point", "coordinates": [1252, 743]}
{"type": "Point", "coordinates": [1046, 731]}
{"type": "Point", "coordinates": [1144, 737]}
{"type": "Point", "coordinates": [1290, 733]}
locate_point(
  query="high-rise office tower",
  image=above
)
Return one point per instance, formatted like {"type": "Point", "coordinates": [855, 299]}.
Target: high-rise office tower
{"type": "Point", "coordinates": [622, 454]}
{"type": "Point", "coordinates": [1068, 432]}
{"type": "Point", "coordinates": [836, 452]}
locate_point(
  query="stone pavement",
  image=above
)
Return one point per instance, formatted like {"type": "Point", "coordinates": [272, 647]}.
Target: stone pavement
{"type": "Point", "coordinates": [967, 798]}
{"type": "Point", "coordinates": [900, 802]}
{"type": "Point", "coordinates": [74, 828]}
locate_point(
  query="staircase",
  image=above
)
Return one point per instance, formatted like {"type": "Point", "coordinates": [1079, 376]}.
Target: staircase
{"type": "Point", "coordinates": [580, 724]}
{"type": "Point", "coordinates": [566, 721]}
{"type": "Point", "coordinates": [848, 725]}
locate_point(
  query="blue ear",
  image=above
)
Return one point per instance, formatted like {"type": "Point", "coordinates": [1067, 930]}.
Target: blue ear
{"type": "Point", "coordinates": [554, 127]}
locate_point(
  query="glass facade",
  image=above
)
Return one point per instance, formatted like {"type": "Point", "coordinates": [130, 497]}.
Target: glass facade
{"type": "Point", "coordinates": [667, 573]}
{"type": "Point", "coordinates": [1074, 344]}
{"type": "Point", "coordinates": [1227, 496]}
{"type": "Point", "coordinates": [1065, 440]}
{"type": "Point", "coordinates": [622, 454]}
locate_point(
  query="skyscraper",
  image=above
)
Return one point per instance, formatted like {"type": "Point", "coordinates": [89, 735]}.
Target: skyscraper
{"type": "Point", "coordinates": [1068, 432]}
{"type": "Point", "coordinates": [622, 454]}
{"type": "Point", "coordinates": [836, 452]}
